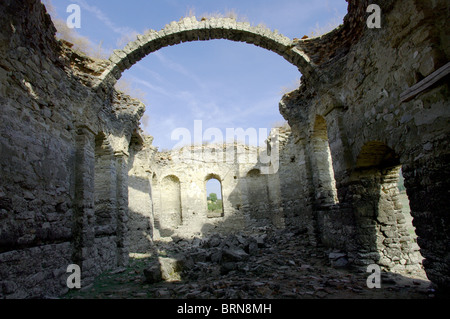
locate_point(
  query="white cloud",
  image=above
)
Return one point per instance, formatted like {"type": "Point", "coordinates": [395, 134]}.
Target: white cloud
{"type": "Point", "coordinates": [148, 85]}
{"type": "Point", "coordinates": [172, 65]}
{"type": "Point", "coordinates": [154, 74]}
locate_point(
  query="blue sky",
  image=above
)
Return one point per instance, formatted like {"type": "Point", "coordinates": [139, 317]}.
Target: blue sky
{"type": "Point", "coordinates": [223, 83]}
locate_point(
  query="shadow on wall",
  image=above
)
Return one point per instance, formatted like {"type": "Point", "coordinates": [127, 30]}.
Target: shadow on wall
{"type": "Point", "coordinates": [368, 223]}
{"type": "Point", "coordinates": [382, 232]}
{"type": "Point", "coordinates": [252, 201]}
{"type": "Point", "coordinates": [140, 207]}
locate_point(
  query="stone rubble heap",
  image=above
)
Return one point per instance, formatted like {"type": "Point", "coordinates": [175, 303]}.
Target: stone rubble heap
{"type": "Point", "coordinates": [266, 264]}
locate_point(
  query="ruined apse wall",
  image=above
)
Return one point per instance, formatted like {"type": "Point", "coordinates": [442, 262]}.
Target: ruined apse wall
{"type": "Point", "coordinates": [56, 133]}
{"type": "Point", "coordinates": [192, 167]}
{"type": "Point", "coordinates": [176, 182]}
{"type": "Point", "coordinates": [359, 88]}
{"type": "Point", "coordinates": [167, 190]}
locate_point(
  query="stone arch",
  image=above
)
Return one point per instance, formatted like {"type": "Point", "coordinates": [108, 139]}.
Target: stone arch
{"type": "Point", "coordinates": [381, 231]}
{"type": "Point", "coordinates": [376, 154]}
{"type": "Point", "coordinates": [255, 172]}
{"type": "Point", "coordinates": [170, 216]}
{"type": "Point", "coordinates": [189, 29]}
{"type": "Point", "coordinates": [213, 176]}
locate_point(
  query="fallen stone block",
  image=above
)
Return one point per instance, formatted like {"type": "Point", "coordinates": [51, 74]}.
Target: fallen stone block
{"type": "Point", "coordinates": [234, 254]}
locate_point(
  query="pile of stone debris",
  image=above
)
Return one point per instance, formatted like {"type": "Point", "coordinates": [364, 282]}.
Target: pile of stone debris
{"type": "Point", "coordinates": [267, 263]}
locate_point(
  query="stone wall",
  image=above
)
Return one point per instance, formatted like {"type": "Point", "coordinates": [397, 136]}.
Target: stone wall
{"type": "Point", "coordinates": [50, 122]}
{"type": "Point", "coordinates": [192, 167]}
{"type": "Point", "coordinates": [173, 189]}
{"type": "Point", "coordinates": [373, 132]}
{"type": "Point", "coordinates": [81, 184]}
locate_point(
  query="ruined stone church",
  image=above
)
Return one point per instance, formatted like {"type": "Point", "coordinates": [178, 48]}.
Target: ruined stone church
{"type": "Point", "coordinates": [81, 184]}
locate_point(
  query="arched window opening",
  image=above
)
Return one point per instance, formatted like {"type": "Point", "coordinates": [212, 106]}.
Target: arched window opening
{"type": "Point", "coordinates": [214, 198]}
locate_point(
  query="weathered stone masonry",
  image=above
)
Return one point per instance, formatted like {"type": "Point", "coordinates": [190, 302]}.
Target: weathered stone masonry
{"type": "Point", "coordinates": [50, 122]}
{"type": "Point", "coordinates": [81, 184]}
{"type": "Point", "coordinates": [251, 197]}
{"type": "Point", "coordinates": [357, 89]}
